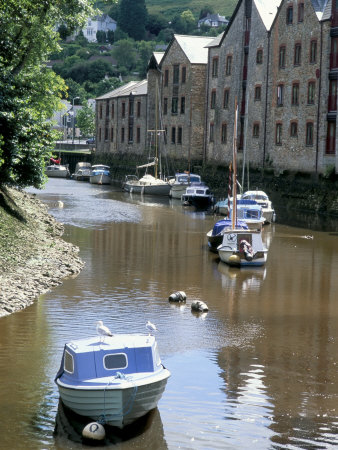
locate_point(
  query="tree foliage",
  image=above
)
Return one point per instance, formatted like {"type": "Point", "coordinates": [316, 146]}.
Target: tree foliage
{"type": "Point", "coordinates": [85, 120]}
{"type": "Point", "coordinates": [125, 53]}
{"type": "Point", "coordinates": [29, 92]}
{"type": "Point", "coordinates": [132, 18]}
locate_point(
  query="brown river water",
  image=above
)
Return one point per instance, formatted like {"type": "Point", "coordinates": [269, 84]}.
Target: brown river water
{"type": "Point", "coordinates": [258, 371]}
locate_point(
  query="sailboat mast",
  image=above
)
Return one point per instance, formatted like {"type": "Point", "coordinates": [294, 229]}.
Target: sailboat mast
{"type": "Point", "coordinates": [234, 175]}
{"type": "Point", "coordinates": [156, 127]}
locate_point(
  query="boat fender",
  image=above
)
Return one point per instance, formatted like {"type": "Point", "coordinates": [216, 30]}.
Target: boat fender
{"type": "Point", "coordinates": [93, 432]}
{"type": "Point", "coordinates": [178, 296]}
{"type": "Point", "coordinates": [246, 248]}
{"type": "Point", "coordinates": [199, 306]}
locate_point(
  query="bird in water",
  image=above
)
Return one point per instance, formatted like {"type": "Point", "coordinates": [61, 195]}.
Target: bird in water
{"type": "Point", "coordinates": [151, 327]}
{"type": "Point", "coordinates": [102, 330]}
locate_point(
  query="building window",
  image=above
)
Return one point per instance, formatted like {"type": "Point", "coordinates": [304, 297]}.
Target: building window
{"type": "Point", "coordinates": [213, 99]}
{"type": "Point", "coordinates": [281, 62]}
{"type": "Point", "coordinates": [130, 133]}
{"type": "Point", "coordinates": [280, 95]}
{"type": "Point", "coordinates": [174, 105]}
{"type": "Point", "coordinates": [182, 105]}
{"type": "Point", "coordinates": [300, 12]}
{"type": "Point", "coordinates": [255, 130]}
{"type": "Point", "coordinates": [122, 134]}
{"type": "Point", "coordinates": [215, 67]}
{"type": "Point", "coordinates": [313, 52]}
{"type": "Point", "coordinates": [331, 138]}
{"type": "Point", "coordinates": [107, 109]}
{"type": "Point", "coordinates": [224, 135]}
{"type": "Point", "coordinates": [309, 133]}
{"type": "Point", "coordinates": [226, 99]}
{"type": "Point", "coordinates": [173, 135]}
{"type": "Point", "coordinates": [165, 106]}
{"type": "Point", "coordinates": [112, 110]}
{"type": "Point", "coordinates": [295, 94]}
{"type": "Point", "coordinates": [138, 109]}
{"type": "Point", "coordinates": [112, 134]}
{"type": "Point", "coordinates": [179, 135]}
{"type": "Point", "coordinates": [258, 93]}
{"type": "Point", "coordinates": [176, 74]}
{"type": "Point", "coordinates": [138, 135]}
{"type": "Point", "coordinates": [100, 111]}
{"type": "Point", "coordinates": [289, 15]}
{"type": "Point", "coordinates": [228, 65]}
{"type": "Point", "coordinates": [183, 74]}
{"type": "Point", "coordinates": [123, 109]}
{"type": "Point", "coordinates": [131, 108]}
{"type": "Point", "coordinates": [106, 134]}
{"type": "Point", "coordinates": [298, 51]}
{"type": "Point", "coordinates": [294, 129]}
{"type": "Point", "coordinates": [311, 93]}
{"type": "Point", "coordinates": [259, 56]}
{"type": "Point", "coordinates": [100, 134]}
{"type": "Point", "coordinates": [211, 132]}
{"type": "Point", "coordinates": [279, 134]}
{"type": "Point", "coordinates": [166, 77]}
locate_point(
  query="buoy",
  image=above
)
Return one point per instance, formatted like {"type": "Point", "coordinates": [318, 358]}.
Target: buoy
{"type": "Point", "coordinates": [94, 432]}
{"type": "Point", "coordinates": [199, 306]}
{"type": "Point", "coordinates": [178, 296]}
{"type": "Point", "coordinates": [60, 204]}
{"type": "Point", "coordinates": [234, 260]}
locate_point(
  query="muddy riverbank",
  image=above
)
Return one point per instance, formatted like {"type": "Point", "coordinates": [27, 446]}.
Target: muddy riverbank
{"type": "Point", "coordinates": [33, 255]}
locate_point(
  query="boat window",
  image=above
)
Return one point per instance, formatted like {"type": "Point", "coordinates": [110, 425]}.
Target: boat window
{"type": "Point", "coordinates": [182, 179]}
{"type": "Point", "coordinates": [200, 191]}
{"type": "Point", "coordinates": [68, 364]}
{"type": "Point", "coordinates": [194, 179]}
{"type": "Point", "coordinates": [115, 361]}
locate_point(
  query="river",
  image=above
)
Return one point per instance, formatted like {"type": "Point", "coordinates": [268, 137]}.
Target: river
{"type": "Point", "coordinates": [258, 371]}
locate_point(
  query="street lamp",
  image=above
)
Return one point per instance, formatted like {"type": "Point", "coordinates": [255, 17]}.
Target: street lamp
{"type": "Point", "coordinates": [75, 98]}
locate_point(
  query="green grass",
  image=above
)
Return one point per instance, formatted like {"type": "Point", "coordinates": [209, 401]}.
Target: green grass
{"type": "Point", "coordinates": [170, 8]}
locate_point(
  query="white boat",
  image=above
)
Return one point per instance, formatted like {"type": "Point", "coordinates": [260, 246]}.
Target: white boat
{"type": "Point", "coordinates": [198, 195]}
{"type": "Point", "coordinates": [57, 171]}
{"type": "Point", "coordinates": [147, 185]}
{"type": "Point", "coordinates": [242, 248]}
{"type": "Point", "coordinates": [181, 182]}
{"type": "Point", "coordinates": [114, 380]}
{"type": "Point", "coordinates": [215, 235]}
{"type": "Point", "coordinates": [250, 212]}
{"type": "Point", "coordinates": [100, 174]}
{"type": "Point", "coordinates": [82, 171]}
{"type": "Point", "coordinates": [263, 200]}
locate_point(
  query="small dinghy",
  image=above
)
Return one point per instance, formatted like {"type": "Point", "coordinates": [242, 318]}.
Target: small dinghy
{"type": "Point", "coordinates": [114, 380]}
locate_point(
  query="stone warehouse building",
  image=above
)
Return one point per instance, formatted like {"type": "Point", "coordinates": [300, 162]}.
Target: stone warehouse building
{"type": "Point", "coordinates": [278, 59]}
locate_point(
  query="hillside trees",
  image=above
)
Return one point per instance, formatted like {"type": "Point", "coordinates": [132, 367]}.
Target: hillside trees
{"type": "Point", "coordinates": [29, 92]}
{"type": "Point", "coordinates": [132, 18]}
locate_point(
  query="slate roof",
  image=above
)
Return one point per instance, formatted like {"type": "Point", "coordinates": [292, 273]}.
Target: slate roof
{"type": "Point", "coordinates": [135, 87]}
{"type": "Point", "coordinates": [194, 47]}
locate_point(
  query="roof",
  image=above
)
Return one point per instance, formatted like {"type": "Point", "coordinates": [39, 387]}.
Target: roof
{"type": "Point", "coordinates": [133, 87]}
{"type": "Point", "coordinates": [194, 47]}
{"type": "Point", "coordinates": [158, 56]}
{"type": "Point", "coordinates": [267, 10]}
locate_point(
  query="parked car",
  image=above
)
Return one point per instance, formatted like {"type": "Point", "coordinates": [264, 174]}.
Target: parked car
{"type": "Point", "coordinates": [90, 140]}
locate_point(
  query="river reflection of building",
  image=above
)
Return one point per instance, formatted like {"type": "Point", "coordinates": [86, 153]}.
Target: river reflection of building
{"type": "Point", "coordinates": [69, 426]}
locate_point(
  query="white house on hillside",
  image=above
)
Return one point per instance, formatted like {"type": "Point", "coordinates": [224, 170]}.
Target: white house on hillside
{"type": "Point", "coordinates": [98, 23]}
{"type": "Point", "coordinates": [213, 20]}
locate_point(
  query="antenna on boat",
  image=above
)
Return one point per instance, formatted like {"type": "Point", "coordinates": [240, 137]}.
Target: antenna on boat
{"type": "Point", "coordinates": [234, 164]}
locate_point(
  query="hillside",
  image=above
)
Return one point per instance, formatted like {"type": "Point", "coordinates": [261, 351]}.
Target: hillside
{"type": "Point", "coordinates": [169, 9]}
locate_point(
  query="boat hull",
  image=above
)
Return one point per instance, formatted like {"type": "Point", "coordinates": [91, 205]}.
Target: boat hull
{"type": "Point", "coordinates": [155, 189]}
{"type": "Point", "coordinates": [177, 191]}
{"type": "Point", "coordinates": [117, 406]}
{"type": "Point", "coordinates": [100, 179]}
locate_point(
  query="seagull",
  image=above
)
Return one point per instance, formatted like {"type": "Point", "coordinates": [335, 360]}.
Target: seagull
{"type": "Point", "coordinates": [102, 330]}
{"type": "Point", "coordinates": [151, 327]}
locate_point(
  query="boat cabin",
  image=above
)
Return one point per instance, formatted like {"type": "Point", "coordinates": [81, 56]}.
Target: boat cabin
{"type": "Point", "coordinates": [248, 210]}
{"type": "Point", "coordinates": [184, 178]}
{"type": "Point", "coordinates": [99, 357]}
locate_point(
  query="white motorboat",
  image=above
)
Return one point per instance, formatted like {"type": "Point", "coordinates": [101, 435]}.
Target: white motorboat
{"type": "Point", "coordinates": [112, 379]}
{"type": "Point", "coordinates": [250, 212]}
{"type": "Point", "coordinates": [263, 200]}
{"type": "Point", "coordinates": [100, 174]}
{"type": "Point", "coordinates": [82, 171]}
{"type": "Point", "coordinates": [215, 235]}
{"type": "Point", "coordinates": [198, 195]}
{"type": "Point", "coordinates": [57, 171]}
{"type": "Point", "coordinates": [181, 182]}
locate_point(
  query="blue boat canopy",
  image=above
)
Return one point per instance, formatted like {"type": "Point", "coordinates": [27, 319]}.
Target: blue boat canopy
{"type": "Point", "coordinates": [227, 223]}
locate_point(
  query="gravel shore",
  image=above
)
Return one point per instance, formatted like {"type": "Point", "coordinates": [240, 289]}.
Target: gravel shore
{"type": "Point", "coordinates": [33, 256]}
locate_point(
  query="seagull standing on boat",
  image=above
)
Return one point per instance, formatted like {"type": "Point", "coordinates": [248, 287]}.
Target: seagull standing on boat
{"type": "Point", "coordinates": [102, 330]}
{"type": "Point", "coordinates": [151, 327]}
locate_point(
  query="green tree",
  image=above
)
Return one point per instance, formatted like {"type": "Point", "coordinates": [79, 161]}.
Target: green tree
{"type": "Point", "coordinates": [156, 23]}
{"type": "Point", "coordinates": [207, 9]}
{"type": "Point", "coordinates": [101, 37]}
{"type": "Point", "coordinates": [132, 18]}
{"type": "Point", "coordinates": [85, 120]}
{"type": "Point", "coordinates": [145, 50]}
{"type": "Point", "coordinates": [189, 19]}
{"type": "Point", "coordinates": [125, 53]}
{"type": "Point", "coordinates": [29, 92]}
